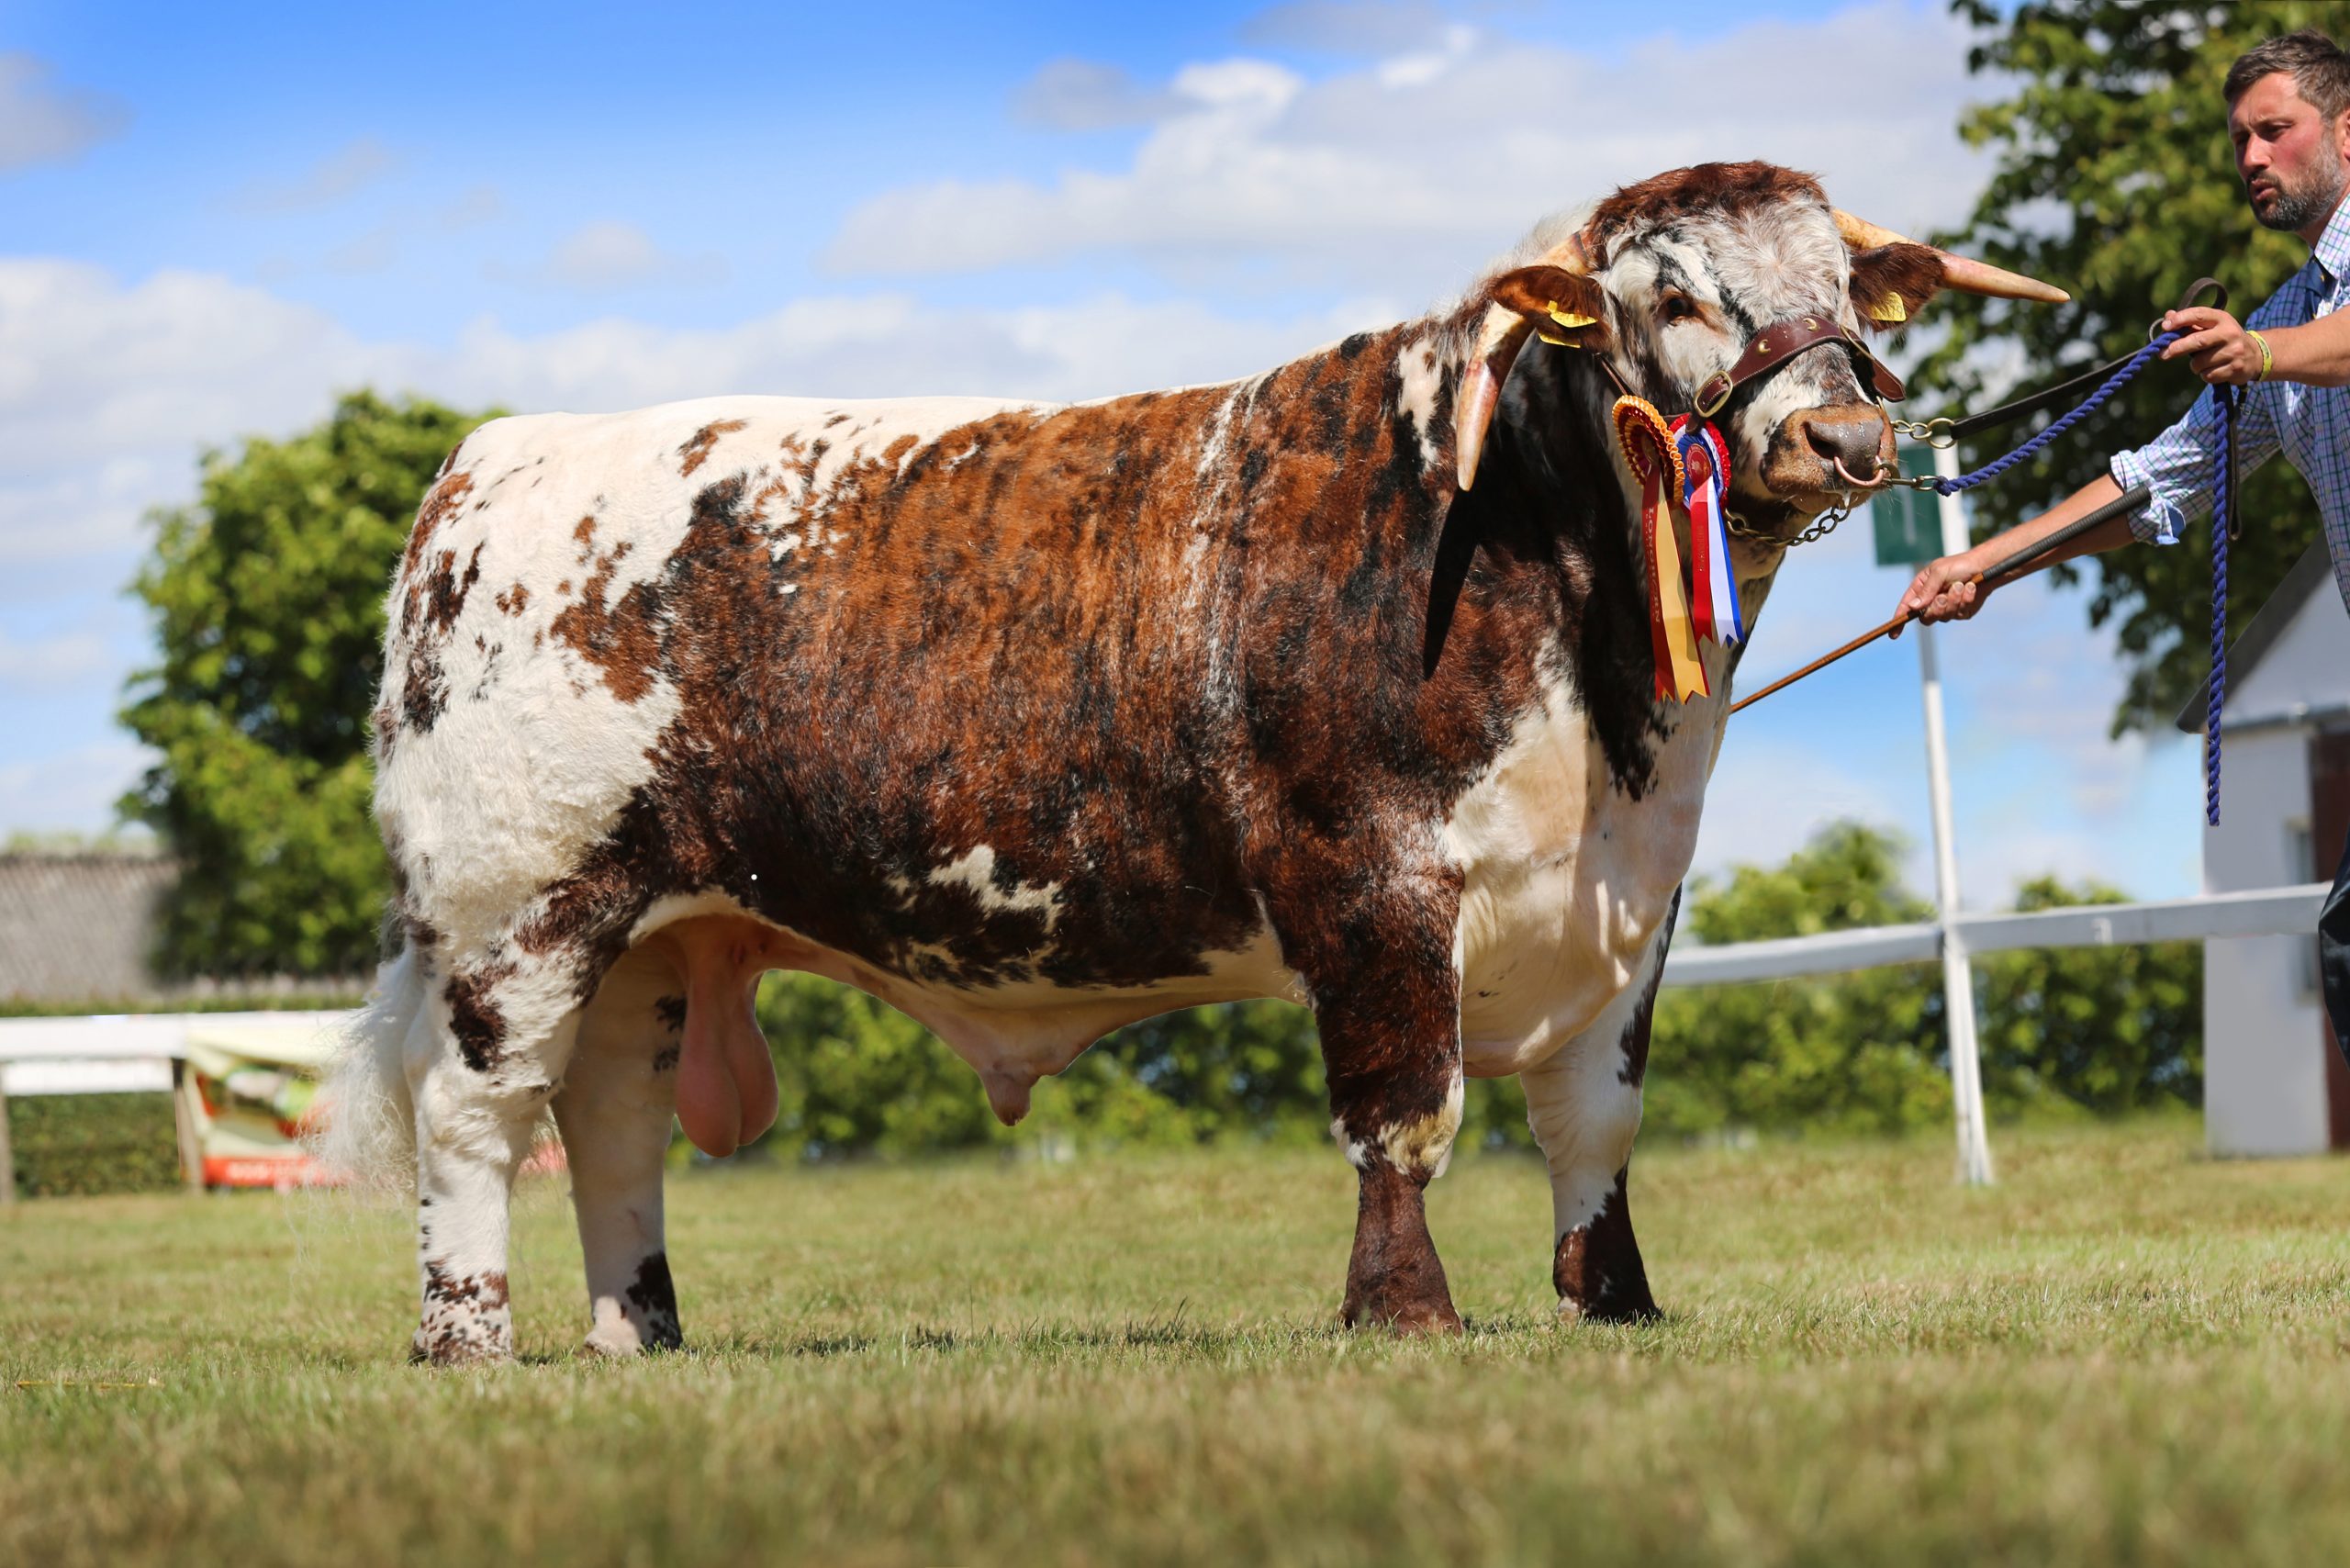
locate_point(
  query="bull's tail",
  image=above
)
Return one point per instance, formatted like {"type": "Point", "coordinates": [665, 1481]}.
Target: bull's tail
{"type": "Point", "coordinates": [369, 1129]}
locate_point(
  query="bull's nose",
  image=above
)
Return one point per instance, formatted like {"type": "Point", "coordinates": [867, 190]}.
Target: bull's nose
{"type": "Point", "coordinates": [1854, 440]}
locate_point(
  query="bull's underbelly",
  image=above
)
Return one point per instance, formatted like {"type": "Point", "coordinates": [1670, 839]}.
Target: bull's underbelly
{"type": "Point", "coordinates": [1011, 1033]}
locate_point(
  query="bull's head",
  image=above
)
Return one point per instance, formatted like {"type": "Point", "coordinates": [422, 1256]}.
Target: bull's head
{"type": "Point", "coordinates": [1672, 283]}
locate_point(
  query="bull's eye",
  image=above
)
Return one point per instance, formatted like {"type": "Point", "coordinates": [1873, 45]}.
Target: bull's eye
{"type": "Point", "coordinates": [1676, 307]}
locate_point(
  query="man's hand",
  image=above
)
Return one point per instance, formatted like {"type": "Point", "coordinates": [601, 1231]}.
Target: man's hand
{"type": "Point", "coordinates": [2216, 345]}
{"type": "Point", "coordinates": [1945, 590]}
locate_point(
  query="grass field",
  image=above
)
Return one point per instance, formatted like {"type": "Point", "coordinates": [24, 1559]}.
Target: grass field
{"type": "Point", "coordinates": [2124, 1353]}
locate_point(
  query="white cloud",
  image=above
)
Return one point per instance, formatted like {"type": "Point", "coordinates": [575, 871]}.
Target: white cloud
{"type": "Point", "coordinates": [1080, 95]}
{"type": "Point", "coordinates": [63, 659]}
{"type": "Point", "coordinates": [349, 169]}
{"type": "Point", "coordinates": [108, 390]}
{"type": "Point", "coordinates": [476, 204]}
{"type": "Point", "coordinates": [71, 791]}
{"type": "Point", "coordinates": [42, 124]}
{"type": "Point", "coordinates": [606, 255]}
{"type": "Point", "coordinates": [1768, 799]}
{"type": "Point", "coordinates": [369, 252]}
{"type": "Point", "coordinates": [1411, 167]}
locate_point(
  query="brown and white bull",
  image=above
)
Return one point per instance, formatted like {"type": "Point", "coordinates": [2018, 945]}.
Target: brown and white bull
{"type": "Point", "coordinates": [1034, 721]}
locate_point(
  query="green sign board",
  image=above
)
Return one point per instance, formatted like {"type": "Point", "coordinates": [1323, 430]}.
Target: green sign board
{"type": "Point", "coordinates": [1909, 522]}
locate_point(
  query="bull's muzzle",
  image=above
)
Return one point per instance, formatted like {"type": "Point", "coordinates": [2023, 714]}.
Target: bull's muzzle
{"type": "Point", "coordinates": [1846, 444]}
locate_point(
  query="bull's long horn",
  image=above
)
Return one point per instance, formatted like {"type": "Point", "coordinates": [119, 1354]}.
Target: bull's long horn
{"type": "Point", "coordinates": [1572, 254]}
{"type": "Point", "coordinates": [1962, 273]}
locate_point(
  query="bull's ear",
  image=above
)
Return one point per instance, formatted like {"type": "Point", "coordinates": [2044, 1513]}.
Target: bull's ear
{"type": "Point", "coordinates": [1892, 283]}
{"type": "Point", "coordinates": [1562, 307]}
{"type": "Point", "coordinates": [1565, 307]}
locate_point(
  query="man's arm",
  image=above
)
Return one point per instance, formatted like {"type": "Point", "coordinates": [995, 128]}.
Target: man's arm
{"type": "Point", "coordinates": [1942, 590]}
{"type": "Point", "coordinates": [2222, 352]}
{"type": "Point", "coordinates": [2178, 467]}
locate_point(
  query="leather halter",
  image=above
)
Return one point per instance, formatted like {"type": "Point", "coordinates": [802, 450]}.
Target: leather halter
{"type": "Point", "coordinates": [1772, 347]}
{"type": "Point", "coordinates": [1781, 342]}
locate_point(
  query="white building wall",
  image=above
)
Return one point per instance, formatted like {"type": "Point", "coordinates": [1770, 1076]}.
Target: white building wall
{"type": "Point", "coordinates": [2264, 1073]}
{"type": "Point", "coordinates": [2307, 667]}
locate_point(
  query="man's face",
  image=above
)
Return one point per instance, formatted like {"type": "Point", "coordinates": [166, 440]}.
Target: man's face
{"type": "Point", "coordinates": [2291, 159]}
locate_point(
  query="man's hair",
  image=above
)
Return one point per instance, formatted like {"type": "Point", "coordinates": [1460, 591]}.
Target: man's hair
{"type": "Point", "coordinates": [2315, 62]}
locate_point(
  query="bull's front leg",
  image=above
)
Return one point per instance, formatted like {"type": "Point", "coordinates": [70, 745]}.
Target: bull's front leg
{"type": "Point", "coordinates": [1390, 1044]}
{"type": "Point", "coordinates": [1583, 1103]}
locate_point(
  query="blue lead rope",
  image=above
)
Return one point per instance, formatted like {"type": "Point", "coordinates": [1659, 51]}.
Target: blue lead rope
{"type": "Point", "coordinates": [2222, 524]}
{"type": "Point", "coordinates": [2089, 405]}
{"type": "Point", "coordinates": [2223, 515]}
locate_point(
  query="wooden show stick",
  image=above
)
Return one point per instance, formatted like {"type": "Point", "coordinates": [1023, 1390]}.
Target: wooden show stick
{"type": "Point", "coordinates": [2016, 566]}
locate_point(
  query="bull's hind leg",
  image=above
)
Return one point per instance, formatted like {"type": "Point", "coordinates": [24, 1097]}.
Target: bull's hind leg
{"type": "Point", "coordinates": [483, 1061]}
{"type": "Point", "coordinates": [1391, 1041]}
{"type": "Point", "coordinates": [615, 1111]}
{"type": "Point", "coordinates": [1583, 1104]}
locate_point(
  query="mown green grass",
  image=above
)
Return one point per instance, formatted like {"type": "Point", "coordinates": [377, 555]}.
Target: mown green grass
{"type": "Point", "coordinates": [2124, 1353]}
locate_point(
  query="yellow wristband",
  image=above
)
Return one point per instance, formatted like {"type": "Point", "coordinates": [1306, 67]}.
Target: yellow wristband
{"type": "Point", "coordinates": [2267, 360]}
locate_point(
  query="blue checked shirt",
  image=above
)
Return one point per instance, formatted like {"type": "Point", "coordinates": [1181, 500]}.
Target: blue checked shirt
{"type": "Point", "coordinates": [2310, 423]}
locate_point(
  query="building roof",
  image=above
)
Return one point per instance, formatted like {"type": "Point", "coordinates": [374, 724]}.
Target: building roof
{"type": "Point", "coordinates": [2312, 571]}
{"type": "Point", "coordinates": [78, 927]}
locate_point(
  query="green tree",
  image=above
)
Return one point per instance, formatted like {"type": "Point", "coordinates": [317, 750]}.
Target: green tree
{"type": "Point", "coordinates": [2113, 178]}
{"type": "Point", "coordinates": [2102, 1029]}
{"type": "Point", "coordinates": [267, 600]}
{"type": "Point", "coordinates": [1855, 1053]}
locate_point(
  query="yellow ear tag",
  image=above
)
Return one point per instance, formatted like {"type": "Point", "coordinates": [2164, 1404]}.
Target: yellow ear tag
{"type": "Point", "coordinates": [1890, 310]}
{"type": "Point", "coordinates": [1570, 320]}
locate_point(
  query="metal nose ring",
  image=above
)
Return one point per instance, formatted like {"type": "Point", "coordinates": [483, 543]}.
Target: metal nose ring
{"type": "Point", "coordinates": [1874, 482]}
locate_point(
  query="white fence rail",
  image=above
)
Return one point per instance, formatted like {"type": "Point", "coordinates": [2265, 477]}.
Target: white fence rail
{"type": "Point", "coordinates": [2263, 912]}
{"type": "Point", "coordinates": [48, 1043]}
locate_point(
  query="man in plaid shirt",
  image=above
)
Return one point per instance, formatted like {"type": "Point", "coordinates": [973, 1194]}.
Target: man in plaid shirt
{"type": "Point", "coordinates": [2289, 115]}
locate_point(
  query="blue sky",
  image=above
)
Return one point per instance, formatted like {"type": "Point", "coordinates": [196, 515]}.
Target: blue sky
{"type": "Point", "coordinates": [212, 220]}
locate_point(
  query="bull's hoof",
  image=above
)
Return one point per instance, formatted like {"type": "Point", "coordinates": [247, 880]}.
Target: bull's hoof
{"type": "Point", "coordinates": [456, 1353]}
{"type": "Point", "coordinates": [622, 1342]}
{"type": "Point", "coordinates": [1624, 1313]}
{"type": "Point", "coordinates": [1418, 1316]}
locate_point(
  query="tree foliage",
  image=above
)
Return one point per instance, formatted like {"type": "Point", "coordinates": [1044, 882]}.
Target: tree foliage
{"type": "Point", "coordinates": [267, 599]}
{"type": "Point", "coordinates": [2113, 178]}
{"type": "Point", "coordinates": [857, 1077]}
{"type": "Point", "coordinates": [2103, 1029]}
{"type": "Point", "coordinates": [1856, 1053]}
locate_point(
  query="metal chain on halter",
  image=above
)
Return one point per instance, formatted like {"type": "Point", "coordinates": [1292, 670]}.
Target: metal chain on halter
{"type": "Point", "coordinates": [1821, 527]}
{"type": "Point", "coordinates": [1941, 433]}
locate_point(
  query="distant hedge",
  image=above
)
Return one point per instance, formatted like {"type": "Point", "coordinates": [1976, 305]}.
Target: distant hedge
{"type": "Point", "coordinates": [82, 1145]}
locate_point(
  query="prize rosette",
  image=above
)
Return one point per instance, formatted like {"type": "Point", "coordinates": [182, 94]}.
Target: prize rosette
{"type": "Point", "coordinates": [1705, 467]}
{"type": "Point", "coordinates": [1656, 461]}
